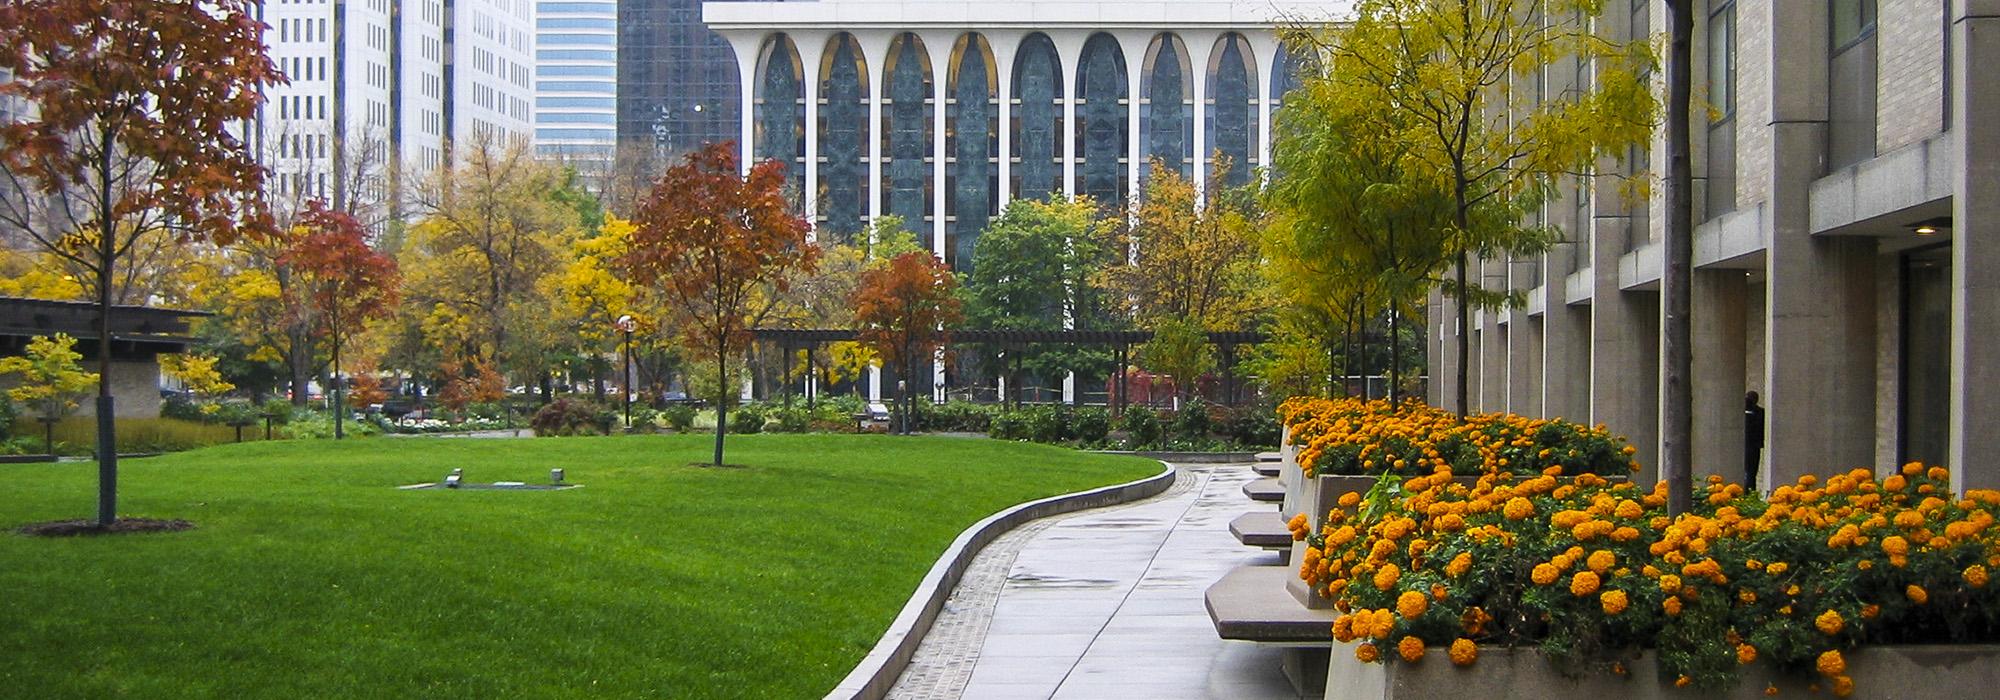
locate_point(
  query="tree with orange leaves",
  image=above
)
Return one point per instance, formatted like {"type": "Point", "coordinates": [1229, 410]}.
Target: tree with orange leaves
{"type": "Point", "coordinates": [710, 239]}
{"type": "Point", "coordinates": [129, 134]}
{"type": "Point", "coordinates": [903, 308]}
{"type": "Point", "coordinates": [341, 282]}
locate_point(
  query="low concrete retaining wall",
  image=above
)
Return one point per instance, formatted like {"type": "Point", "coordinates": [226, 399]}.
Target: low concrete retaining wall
{"type": "Point", "coordinates": [1940, 671]}
{"type": "Point", "coordinates": [877, 672]}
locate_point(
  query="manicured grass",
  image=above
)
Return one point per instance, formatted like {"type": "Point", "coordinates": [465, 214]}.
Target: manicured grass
{"type": "Point", "coordinates": [310, 575]}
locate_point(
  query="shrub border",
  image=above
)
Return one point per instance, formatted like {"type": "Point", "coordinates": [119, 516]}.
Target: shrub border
{"type": "Point", "coordinates": [877, 673]}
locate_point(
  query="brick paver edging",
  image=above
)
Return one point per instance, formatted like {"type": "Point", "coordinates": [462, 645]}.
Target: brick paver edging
{"type": "Point", "coordinates": [877, 672]}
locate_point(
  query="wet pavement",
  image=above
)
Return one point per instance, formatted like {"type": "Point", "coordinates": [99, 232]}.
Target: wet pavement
{"type": "Point", "coordinates": [1108, 604]}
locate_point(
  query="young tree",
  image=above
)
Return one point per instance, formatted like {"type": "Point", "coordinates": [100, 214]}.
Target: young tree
{"type": "Point", "coordinates": [1036, 263]}
{"type": "Point", "coordinates": [342, 281]}
{"type": "Point", "coordinates": [50, 383]}
{"type": "Point", "coordinates": [196, 373]}
{"type": "Point", "coordinates": [131, 134]}
{"type": "Point", "coordinates": [1444, 69]}
{"type": "Point", "coordinates": [1179, 348]}
{"type": "Point", "coordinates": [710, 239]}
{"type": "Point", "coordinates": [903, 309]}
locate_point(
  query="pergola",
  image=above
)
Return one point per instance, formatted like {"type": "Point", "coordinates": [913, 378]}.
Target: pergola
{"type": "Point", "coordinates": [789, 339]}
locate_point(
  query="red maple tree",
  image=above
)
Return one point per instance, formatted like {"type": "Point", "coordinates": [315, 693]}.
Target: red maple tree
{"type": "Point", "coordinates": [711, 240]}
{"type": "Point", "coordinates": [341, 282]}
{"type": "Point", "coordinates": [903, 309]}
{"type": "Point", "coordinates": [133, 102]}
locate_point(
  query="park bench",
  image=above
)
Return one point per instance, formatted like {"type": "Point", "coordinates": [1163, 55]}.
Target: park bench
{"type": "Point", "coordinates": [1251, 604]}
{"type": "Point", "coordinates": [1264, 529]}
{"type": "Point", "coordinates": [877, 413]}
{"type": "Point", "coordinates": [1265, 490]}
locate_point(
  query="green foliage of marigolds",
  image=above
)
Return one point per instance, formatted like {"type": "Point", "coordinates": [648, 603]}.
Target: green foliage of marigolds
{"type": "Point", "coordinates": [310, 575]}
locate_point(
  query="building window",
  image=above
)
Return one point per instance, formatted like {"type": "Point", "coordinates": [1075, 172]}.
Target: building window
{"type": "Point", "coordinates": [1851, 76]}
{"type": "Point", "coordinates": [1721, 195]}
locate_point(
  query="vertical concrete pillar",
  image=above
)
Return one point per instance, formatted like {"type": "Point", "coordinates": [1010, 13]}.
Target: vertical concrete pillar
{"type": "Point", "coordinates": [1436, 328]}
{"type": "Point", "coordinates": [1004, 46]}
{"type": "Point", "coordinates": [1493, 343]}
{"type": "Point", "coordinates": [810, 81]}
{"type": "Point", "coordinates": [1134, 46]}
{"type": "Point", "coordinates": [1975, 295]}
{"type": "Point", "coordinates": [1199, 46]}
{"type": "Point", "coordinates": [1523, 356]}
{"type": "Point", "coordinates": [938, 45]}
{"type": "Point", "coordinates": [1444, 363]}
{"type": "Point", "coordinates": [1820, 292]}
{"type": "Point", "coordinates": [1718, 378]}
{"type": "Point", "coordinates": [748, 48]}
{"type": "Point", "coordinates": [1265, 53]}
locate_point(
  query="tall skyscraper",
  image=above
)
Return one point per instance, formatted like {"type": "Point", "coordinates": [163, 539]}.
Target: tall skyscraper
{"type": "Point", "coordinates": [677, 84]}
{"type": "Point", "coordinates": [377, 84]}
{"type": "Point", "coordinates": [576, 79]}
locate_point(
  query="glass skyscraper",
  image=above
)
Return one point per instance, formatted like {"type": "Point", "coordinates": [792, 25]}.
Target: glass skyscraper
{"type": "Point", "coordinates": [677, 84]}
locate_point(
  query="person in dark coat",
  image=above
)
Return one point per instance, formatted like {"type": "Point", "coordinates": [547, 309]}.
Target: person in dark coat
{"type": "Point", "coordinates": [1753, 439]}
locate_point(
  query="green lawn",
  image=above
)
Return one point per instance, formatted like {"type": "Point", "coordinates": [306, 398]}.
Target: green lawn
{"type": "Point", "coordinates": [310, 575]}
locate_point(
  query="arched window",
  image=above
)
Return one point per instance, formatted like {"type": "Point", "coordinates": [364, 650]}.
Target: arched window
{"type": "Point", "coordinates": [1037, 116]}
{"type": "Point", "coordinates": [843, 138]}
{"type": "Point", "coordinates": [779, 131]}
{"type": "Point", "coordinates": [907, 133]}
{"type": "Point", "coordinates": [1231, 119]}
{"type": "Point", "coordinates": [972, 172]}
{"type": "Point", "coordinates": [1101, 94]}
{"type": "Point", "coordinates": [1167, 110]}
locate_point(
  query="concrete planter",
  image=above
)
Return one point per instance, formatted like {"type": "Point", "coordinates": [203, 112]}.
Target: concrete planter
{"type": "Point", "coordinates": [1930, 671]}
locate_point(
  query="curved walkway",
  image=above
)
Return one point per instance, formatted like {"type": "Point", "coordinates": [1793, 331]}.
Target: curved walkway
{"type": "Point", "coordinates": [1103, 604]}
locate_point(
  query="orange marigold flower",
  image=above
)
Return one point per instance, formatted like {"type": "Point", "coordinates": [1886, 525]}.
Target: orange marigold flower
{"type": "Point", "coordinates": [1771, 690]}
{"type": "Point", "coordinates": [1831, 663]}
{"type": "Point", "coordinates": [1412, 604]}
{"type": "Point", "coordinates": [1601, 561]}
{"type": "Point", "coordinates": [1349, 499]}
{"type": "Point", "coordinates": [1830, 622]}
{"type": "Point", "coordinates": [1583, 583]}
{"type": "Point", "coordinates": [1747, 596]}
{"type": "Point", "coordinates": [1411, 648]}
{"type": "Point", "coordinates": [1843, 686]}
{"type": "Point", "coordinates": [1613, 601]}
{"type": "Point", "coordinates": [1464, 652]}
{"type": "Point", "coordinates": [1386, 577]}
{"type": "Point", "coordinates": [1746, 654]}
{"type": "Point", "coordinates": [1367, 653]}
{"type": "Point", "coordinates": [1776, 568]}
{"type": "Point", "coordinates": [1343, 628]}
{"type": "Point", "coordinates": [1672, 605]}
{"type": "Point", "coordinates": [1975, 576]}
{"type": "Point", "coordinates": [1917, 594]}
{"type": "Point", "coordinates": [1517, 508]}
{"type": "Point", "coordinates": [1670, 583]}
{"type": "Point", "coordinates": [1869, 611]}
{"type": "Point", "coordinates": [1682, 682]}
{"type": "Point", "coordinates": [1895, 545]}
{"type": "Point", "coordinates": [1545, 574]}
{"type": "Point", "coordinates": [1459, 565]}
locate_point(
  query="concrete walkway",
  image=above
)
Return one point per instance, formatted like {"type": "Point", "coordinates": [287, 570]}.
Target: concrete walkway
{"type": "Point", "coordinates": [1103, 604]}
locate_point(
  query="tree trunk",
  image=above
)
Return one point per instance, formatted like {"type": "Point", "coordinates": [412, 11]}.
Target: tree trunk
{"type": "Point", "coordinates": [1463, 311]}
{"type": "Point", "coordinates": [107, 424]}
{"type": "Point", "coordinates": [301, 363]}
{"type": "Point", "coordinates": [1361, 355]}
{"type": "Point", "coordinates": [1395, 355]}
{"type": "Point", "coordinates": [339, 395]}
{"type": "Point", "coordinates": [1677, 406]}
{"type": "Point", "coordinates": [721, 397]}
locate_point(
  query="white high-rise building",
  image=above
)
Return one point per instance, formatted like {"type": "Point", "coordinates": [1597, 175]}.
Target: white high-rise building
{"type": "Point", "coordinates": [376, 83]}
{"type": "Point", "coordinates": [576, 79]}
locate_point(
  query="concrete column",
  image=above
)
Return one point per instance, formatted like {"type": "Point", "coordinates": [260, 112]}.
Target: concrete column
{"type": "Point", "coordinates": [1070, 85]}
{"type": "Point", "coordinates": [1524, 381]}
{"type": "Point", "coordinates": [874, 47]}
{"type": "Point", "coordinates": [811, 188]}
{"type": "Point", "coordinates": [939, 85]}
{"type": "Point", "coordinates": [1436, 325]}
{"type": "Point", "coordinates": [1134, 46]}
{"type": "Point", "coordinates": [1820, 321]}
{"type": "Point", "coordinates": [1199, 47]}
{"type": "Point", "coordinates": [1495, 340]}
{"type": "Point", "coordinates": [748, 49]}
{"type": "Point", "coordinates": [1975, 295]}
{"type": "Point", "coordinates": [1004, 46]}
{"type": "Point", "coordinates": [1718, 378]}
{"type": "Point", "coordinates": [1264, 64]}
{"type": "Point", "coordinates": [1444, 359]}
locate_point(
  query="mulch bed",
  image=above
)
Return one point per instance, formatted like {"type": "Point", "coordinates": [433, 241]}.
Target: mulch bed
{"type": "Point", "coordinates": [123, 526]}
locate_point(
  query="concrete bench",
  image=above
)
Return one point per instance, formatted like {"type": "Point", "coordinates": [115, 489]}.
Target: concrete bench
{"type": "Point", "coordinates": [1262, 529]}
{"type": "Point", "coordinates": [1265, 490]}
{"type": "Point", "coordinates": [1267, 468]}
{"type": "Point", "coordinates": [1250, 604]}
{"type": "Point", "coordinates": [1270, 457]}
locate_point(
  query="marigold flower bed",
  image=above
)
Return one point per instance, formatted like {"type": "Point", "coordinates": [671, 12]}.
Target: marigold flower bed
{"type": "Point", "coordinates": [1351, 436]}
{"type": "Point", "coordinates": [1592, 572]}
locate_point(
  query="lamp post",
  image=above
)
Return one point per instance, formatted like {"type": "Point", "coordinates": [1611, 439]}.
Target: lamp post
{"type": "Point", "coordinates": [627, 324]}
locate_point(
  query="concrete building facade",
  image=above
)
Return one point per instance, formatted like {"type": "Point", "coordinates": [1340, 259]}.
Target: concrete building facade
{"type": "Point", "coordinates": [379, 89]}
{"type": "Point", "coordinates": [940, 112]}
{"type": "Point", "coordinates": [1847, 251]}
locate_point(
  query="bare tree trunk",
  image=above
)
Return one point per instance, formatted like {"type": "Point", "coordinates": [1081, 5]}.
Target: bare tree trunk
{"type": "Point", "coordinates": [721, 397]}
{"type": "Point", "coordinates": [107, 424]}
{"type": "Point", "coordinates": [339, 398]}
{"type": "Point", "coordinates": [1464, 313]}
{"type": "Point", "coordinates": [1677, 407]}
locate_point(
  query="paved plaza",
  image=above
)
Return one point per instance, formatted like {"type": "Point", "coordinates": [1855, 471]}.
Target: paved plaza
{"type": "Point", "coordinates": [1103, 604]}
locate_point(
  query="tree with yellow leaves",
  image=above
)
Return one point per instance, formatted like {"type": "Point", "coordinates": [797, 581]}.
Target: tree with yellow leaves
{"type": "Point", "coordinates": [51, 381]}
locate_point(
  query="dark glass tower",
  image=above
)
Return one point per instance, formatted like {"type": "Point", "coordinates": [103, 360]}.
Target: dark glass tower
{"type": "Point", "coordinates": [677, 84]}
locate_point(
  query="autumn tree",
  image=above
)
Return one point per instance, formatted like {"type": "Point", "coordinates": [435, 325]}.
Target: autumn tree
{"type": "Point", "coordinates": [1179, 347]}
{"type": "Point", "coordinates": [709, 238]}
{"type": "Point", "coordinates": [49, 381]}
{"type": "Point", "coordinates": [342, 281]}
{"type": "Point", "coordinates": [903, 309]}
{"type": "Point", "coordinates": [493, 226]}
{"type": "Point", "coordinates": [1444, 69]}
{"type": "Point", "coordinates": [135, 100]}
{"type": "Point", "coordinates": [1356, 228]}
{"type": "Point", "coordinates": [1189, 254]}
